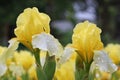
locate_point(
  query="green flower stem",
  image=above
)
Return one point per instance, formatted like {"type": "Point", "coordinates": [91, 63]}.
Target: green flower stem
{"type": "Point", "coordinates": [49, 66]}
{"type": "Point", "coordinates": [47, 71]}
{"type": "Point", "coordinates": [37, 57]}
{"type": "Point", "coordinates": [82, 69]}
{"type": "Point", "coordinates": [25, 76]}
{"type": "Point", "coordinates": [40, 73]}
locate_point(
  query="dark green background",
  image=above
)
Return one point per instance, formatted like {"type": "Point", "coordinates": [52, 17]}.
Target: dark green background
{"type": "Point", "coordinates": [108, 17]}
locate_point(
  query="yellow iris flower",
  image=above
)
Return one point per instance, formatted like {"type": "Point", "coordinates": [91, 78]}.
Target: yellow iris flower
{"type": "Point", "coordinates": [24, 58]}
{"type": "Point", "coordinates": [29, 23]}
{"type": "Point", "coordinates": [113, 51]}
{"type": "Point", "coordinates": [86, 39]}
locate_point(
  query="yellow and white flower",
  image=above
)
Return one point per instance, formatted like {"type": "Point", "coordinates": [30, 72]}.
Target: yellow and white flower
{"type": "Point", "coordinates": [47, 42]}
{"type": "Point", "coordinates": [86, 39]}
{"type": "Point", "coordinates": [29, 23]}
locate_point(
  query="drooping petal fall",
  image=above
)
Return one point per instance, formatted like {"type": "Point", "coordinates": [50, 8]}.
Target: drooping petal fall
{"type": "Point", "coordinates": [103, 62]}
{"type": "Point", "coordinates": [47, 42]}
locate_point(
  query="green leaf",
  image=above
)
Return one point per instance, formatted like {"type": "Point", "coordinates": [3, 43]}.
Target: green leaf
{"type": "Point", "coordinates": [40, 74]}
{"type": "Point", "coordinates": [25, 76]}
{"type": "Point", "coordinates": [82, 69]}
{"type": "Point", "coordinates": [49, 66]}
{"type": "Point", "coordinates": [81, 75]}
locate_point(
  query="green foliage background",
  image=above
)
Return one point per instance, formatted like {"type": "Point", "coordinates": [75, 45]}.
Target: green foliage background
{"type": "Point", "coordinates": [108, 14]}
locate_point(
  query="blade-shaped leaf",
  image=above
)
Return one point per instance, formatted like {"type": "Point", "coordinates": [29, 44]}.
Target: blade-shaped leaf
{"type": "Point", "coordinates": [49, 66]}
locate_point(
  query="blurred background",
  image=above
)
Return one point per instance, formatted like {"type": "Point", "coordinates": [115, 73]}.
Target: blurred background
{"type": "Point", "coordinates": [65, 14]}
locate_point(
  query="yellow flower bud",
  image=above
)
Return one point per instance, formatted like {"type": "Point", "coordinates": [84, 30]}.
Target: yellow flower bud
{"type": "Point", "coordinates": [25, 59]}
{"type": "Point", "coordinates": [29, 23]}
{"type": "Point", "coordinates": [86, 39]}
